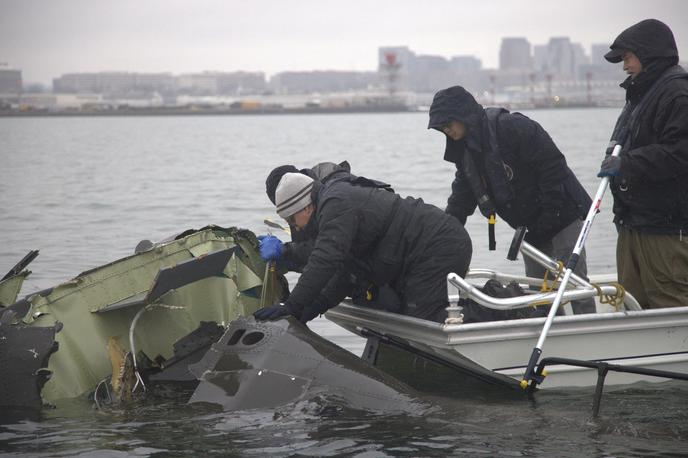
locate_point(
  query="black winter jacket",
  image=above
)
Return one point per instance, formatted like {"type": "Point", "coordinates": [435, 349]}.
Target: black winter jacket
{"type": "Point", "coordinates": [535, 177]}
{"type": "Point", "coordinates": [381, 232]}
{"type": "Point", "coordinates": [651, 190]}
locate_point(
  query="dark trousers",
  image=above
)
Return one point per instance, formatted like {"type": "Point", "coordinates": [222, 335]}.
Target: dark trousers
{"type": "Point", "coordinates": [424, 286]}
{"type": "Point", "coordinates": [560, 248]}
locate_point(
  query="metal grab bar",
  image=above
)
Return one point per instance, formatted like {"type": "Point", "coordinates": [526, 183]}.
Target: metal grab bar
{"type": "Point", "coordinates": [541, 258]}
{"type": "Point", "coordinates": [580, 284]}
{"type": "Point", "coordinates": [538, 256]}
{"type": "Point", "coordinates": [472, 292]}
{"type": "Point", "coordinates": [504, 278]}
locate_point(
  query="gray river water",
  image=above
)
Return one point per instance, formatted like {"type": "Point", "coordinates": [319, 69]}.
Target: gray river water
{"type": "Point", "coordinates": [85, 191]}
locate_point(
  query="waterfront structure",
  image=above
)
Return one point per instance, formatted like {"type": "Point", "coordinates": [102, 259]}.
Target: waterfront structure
{"type": "Point", "coordinates": [118, 84]}
{"type": "Point", "coordinates": [401, 69]}
{"type": "Point", "coordinates": [10, 81]}
{"type": "Point", "coordinates": [113, 83]}
{"type": "Point", "coordinates": [558, 72]}
{"type": "Point", "coordinates": [465, 64]}
{"type": "Point", "coordinates": [321, 81]}
{"type": "Point", "coordinates": [221, 83]}
{"type": "Point", "coordinates": [514, 54]}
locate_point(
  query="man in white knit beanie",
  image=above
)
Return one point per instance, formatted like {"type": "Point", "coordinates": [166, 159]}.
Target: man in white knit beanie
{"type": "Point", "coordinates": [293, 198]}
{"type": "Point", "coordinates": [390, 241]}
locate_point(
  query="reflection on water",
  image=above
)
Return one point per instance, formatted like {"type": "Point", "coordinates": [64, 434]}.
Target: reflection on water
{"type": "Point", "coordinates": [85, 191]}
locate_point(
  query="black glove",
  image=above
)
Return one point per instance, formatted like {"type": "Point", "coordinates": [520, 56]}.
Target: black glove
{"type": "Point", "coordinates": [610, 167]}
{"type": "Point", "coordinates": [272, 312]}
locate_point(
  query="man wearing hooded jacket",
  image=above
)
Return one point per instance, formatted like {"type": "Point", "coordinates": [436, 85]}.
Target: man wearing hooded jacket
{"type": "Point", "coordinates": [293, 256]}
{"type": "Point", "coordinates": [506, 164]}
{"type": "Point", "coordinates": [401, 242]}
{"type": "Point", "coordinates": [649, 179]}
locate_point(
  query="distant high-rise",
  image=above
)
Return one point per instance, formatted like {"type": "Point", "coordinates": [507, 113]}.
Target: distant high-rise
{"type": "Point", "coordinates": [514, 54]}
{"type": "Point", "coordinates": [562, 58]}
{"type": "Point", "coordinates": [540, 58]}
{"type": "Point", "coordinates": [10, 81]}
{"type": "Point", "coordinates": [114, 83]}
{"type": "Point", "coordinates": [597, 54]}
{"type": "Point", "coordinates": [465, 64]}
{"type": "Point", "coordinates": [321, 81]}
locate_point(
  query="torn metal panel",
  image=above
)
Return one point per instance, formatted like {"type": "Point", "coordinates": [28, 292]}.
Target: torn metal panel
{"type": "Point", "coordinates": [21, 265]}
{"type": "Point", "coordinates": [122, 287]}
{"type": "Point", "coordinates": [174, 277]}
{"type": "Point", "coordinates": [190, 271]}
{"type": "Point", "coordinates": [10, 288]}
{"type": "Point", "coordinates": [244, 277]}
{"type": "Point", "coordinates": [188, 350]}
{"type": "Point", "coordinates": [24, 355]}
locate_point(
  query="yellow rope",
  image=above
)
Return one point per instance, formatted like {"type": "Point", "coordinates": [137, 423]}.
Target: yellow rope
{"type": "Point", "coordinates": [545, 288]}
{"type": "Point", "coordinates": [615, 300]}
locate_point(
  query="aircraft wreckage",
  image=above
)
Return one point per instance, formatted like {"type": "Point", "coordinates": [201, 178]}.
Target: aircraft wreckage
{"type": "Point", "coordinates": [174, 312]}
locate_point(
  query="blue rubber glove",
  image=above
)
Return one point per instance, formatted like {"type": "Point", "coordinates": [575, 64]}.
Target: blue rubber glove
{"type": "Point", "coordinates": [272, 312]}
{"type": "Point", "coordinates": [610, 167]}
{"type": "Point", "coordinates": [270, 247]}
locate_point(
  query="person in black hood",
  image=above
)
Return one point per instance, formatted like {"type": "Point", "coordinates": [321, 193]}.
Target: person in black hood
{"type": "Point", "coordinates": [649, 178]}
{"type": "Point", "coordinates": [507, 164]}
{"type": "Point", "coordinates": [401, 242]}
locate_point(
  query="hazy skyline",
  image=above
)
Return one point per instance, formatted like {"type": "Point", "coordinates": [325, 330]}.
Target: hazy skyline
{"type": "Point", "coordinates": [45, 39]}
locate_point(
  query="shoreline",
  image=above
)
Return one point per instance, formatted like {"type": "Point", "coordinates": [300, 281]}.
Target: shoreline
{"type": "Point", "coordinates": [267, 110]}
{"type": "Point", "coordinates": [195, 111]}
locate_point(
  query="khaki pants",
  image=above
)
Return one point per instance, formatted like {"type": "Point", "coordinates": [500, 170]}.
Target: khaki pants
{"type": "Point", "coordinates": [653, 268]}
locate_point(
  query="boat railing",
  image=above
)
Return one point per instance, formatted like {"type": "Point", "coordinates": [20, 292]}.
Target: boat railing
{"type": "Point", "coordinates": [578, 287]}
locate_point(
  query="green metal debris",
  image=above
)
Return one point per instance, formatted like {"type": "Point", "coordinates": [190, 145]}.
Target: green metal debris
{"type": "Point", "coordinates": [130, 299]}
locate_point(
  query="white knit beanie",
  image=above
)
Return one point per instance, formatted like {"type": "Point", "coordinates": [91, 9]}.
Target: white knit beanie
{"type": "Point", "coordinates": [293, 193]}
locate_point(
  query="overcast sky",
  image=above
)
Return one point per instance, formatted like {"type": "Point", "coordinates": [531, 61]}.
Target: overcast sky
{"type": "Point", "coordinates": [46, 38]}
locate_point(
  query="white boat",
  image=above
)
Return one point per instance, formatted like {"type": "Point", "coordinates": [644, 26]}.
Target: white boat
{"type": "Point", "coordinates": [634, 339]}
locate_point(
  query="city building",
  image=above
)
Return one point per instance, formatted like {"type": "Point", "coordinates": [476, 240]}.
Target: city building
{"type": "Point", "coordinates": [321, 81]}
{"type": "Point", "coordinates": [10, 81]}
{"type": "Point", "coordinates": [114, 84]}
{"type": "Point", "coordinates": [401, 70]}
{"type": "Point", "coordinates": [221, 83]}
{"type": "Point", "coordinates": [559, 72]}
{"type": "Point", "coordinates": [514, 54]}
{"type": "Point", "coordinates": [465, 64]}
{"type": "Point", "coordinates": [597, 52]}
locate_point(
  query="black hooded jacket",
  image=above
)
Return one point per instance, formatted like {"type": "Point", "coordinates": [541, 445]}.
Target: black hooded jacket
{"type": "Point", "coordinates": [519, 167]}
{"type": "Point", "coordinates": [651, 190]}
{"type": "Point", "coordinates": [381, 232]}
{"type": "Point", "coordinates": [295, 253]}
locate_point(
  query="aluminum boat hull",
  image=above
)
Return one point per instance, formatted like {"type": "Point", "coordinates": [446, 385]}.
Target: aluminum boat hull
{"type": "Point", "coordinates": [655, 339]}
